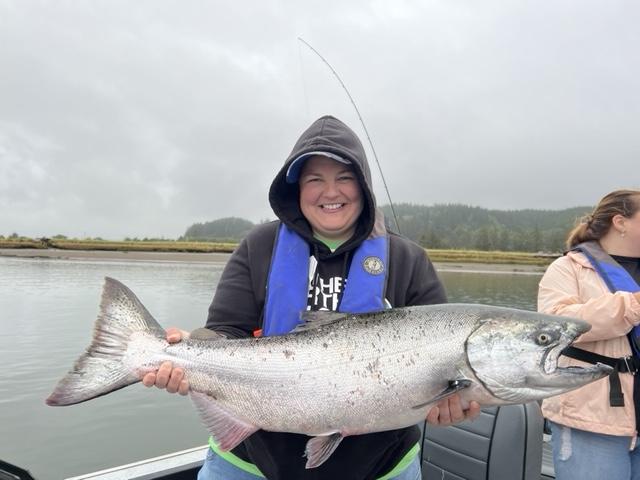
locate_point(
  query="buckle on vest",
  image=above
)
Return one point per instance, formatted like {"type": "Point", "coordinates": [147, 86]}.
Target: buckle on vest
{"type": "Point", "coordinates": [631, 368]}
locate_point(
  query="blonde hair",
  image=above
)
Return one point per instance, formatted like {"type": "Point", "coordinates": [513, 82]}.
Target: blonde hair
{"type": "Point", "coordinates": [595, 225]}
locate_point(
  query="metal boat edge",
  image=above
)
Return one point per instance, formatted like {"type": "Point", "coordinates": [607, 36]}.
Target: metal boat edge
{"type": "Point", "coordinates": [176, 465]}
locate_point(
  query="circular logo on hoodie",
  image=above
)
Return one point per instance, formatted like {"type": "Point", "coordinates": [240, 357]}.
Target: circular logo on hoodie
{"type": "Point", "coordinates": [373, 265]}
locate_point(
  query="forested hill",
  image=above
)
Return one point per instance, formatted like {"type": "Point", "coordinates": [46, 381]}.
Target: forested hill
{"type": "Point", "coordinates": [446, 226]}
{"type": "Point", "coordinates": [463, 226]}
{"type": "Point", "coordinates": [229, 229]}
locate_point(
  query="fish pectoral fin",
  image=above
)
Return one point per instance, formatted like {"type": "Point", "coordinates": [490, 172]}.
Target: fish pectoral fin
{"type": "Point", "coordinates": [319, 449]}
{"type": "Point", "coordinates": [454, 387]}
{"type": "Point", "coordinates": [227, 431]}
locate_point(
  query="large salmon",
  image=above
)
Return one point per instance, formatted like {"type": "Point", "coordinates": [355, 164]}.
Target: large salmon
{"type": "Point", "coordinates": [337, 374]}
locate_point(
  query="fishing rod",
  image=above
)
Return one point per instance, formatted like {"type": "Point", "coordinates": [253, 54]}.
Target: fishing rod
{"type": "Point", "coordinates": [375, 155]}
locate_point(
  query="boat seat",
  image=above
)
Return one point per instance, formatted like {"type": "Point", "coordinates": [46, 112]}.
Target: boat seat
{"type": "Point", "coordinates": [503, 443]}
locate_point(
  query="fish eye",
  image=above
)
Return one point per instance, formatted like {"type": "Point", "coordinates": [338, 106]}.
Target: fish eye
{"type": "Point", "coordinates": [543, 338]}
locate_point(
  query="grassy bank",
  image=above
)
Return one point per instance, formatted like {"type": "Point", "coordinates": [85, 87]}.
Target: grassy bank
{"type": "Point", "coordinates": [437, 255]}
{"type": "Point", "coordinates": [120, 246]}
{"type": "Point", "coordinates": [479, 256]}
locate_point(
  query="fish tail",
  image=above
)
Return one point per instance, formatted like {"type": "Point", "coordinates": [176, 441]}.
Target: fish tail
{"type": "Point", "coordinates": [101, 369]}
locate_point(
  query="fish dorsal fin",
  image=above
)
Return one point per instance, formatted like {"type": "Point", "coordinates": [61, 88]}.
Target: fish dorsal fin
{"type": "Point", "coordinates": [316, 319]}
{"type": "Point", "coordinates": [319, 449]}
{"type": "Point", "coordinates": [453, 387]}
{"type": "Point", "coordinates": [227, 431]}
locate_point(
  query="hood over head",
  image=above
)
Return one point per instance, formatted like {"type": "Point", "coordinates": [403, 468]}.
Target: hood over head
{"type": "Point", "coordinates": [330, 137]}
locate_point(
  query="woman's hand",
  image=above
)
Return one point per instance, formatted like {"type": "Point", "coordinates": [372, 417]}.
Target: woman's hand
{"type": "Point", "coordinates": [449, 411]}
{"type": "Point", "coordinates": [167, 377]}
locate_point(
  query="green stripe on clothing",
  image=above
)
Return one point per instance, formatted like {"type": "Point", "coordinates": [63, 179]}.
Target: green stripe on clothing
{"type": "Point", "coordinates": [403, 464]}
{"type": "Point", "coordinates": [236, 461]}
{"type": "Point", "coordinates": [252, 469]}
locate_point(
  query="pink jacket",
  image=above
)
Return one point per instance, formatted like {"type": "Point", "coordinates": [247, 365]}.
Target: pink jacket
{"type": "Point", "coordinates": [572, 288]}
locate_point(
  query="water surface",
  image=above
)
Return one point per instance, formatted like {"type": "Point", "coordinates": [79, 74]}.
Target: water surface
{"type": "Point", "coordinates": [47, 310]}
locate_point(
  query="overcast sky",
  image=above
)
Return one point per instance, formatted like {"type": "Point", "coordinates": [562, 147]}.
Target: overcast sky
{"type": "Point", "coordinates": [139, 118]}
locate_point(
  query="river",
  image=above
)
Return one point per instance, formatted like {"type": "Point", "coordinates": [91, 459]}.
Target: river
{"type": "Point", "coordinates": [47, 309]}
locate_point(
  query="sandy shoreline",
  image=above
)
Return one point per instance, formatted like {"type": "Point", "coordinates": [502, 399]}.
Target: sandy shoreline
{"type": "Point", "coordinates": [187, 257]}
{"type": "Point", "coordinates": [52, 253]}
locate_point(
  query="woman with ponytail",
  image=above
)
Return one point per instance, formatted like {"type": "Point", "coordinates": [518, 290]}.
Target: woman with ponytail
{"type": "Point", "coordinates": [595, 428]}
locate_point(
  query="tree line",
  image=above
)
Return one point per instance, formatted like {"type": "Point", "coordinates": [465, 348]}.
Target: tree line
{"type": "Point", "coordinates": [446, 226]}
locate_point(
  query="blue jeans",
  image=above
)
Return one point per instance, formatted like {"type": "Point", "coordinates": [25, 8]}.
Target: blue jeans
{"type": "Point", "coordinates": [216, 468]}
{"type": "Point", "coordinates": [579, 455]}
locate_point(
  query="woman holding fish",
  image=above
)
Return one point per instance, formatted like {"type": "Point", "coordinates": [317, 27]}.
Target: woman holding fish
{"type": "Point", "coordinates": [329, 250]}
{"type": "Point", "coordinates": [595, 428]}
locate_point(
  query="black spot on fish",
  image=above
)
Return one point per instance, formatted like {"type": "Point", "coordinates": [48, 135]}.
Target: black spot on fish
{"type": "Point", "coordinates": [372, 366]}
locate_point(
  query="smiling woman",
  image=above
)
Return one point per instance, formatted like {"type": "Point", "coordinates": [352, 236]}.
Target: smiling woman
{"type": "Point", "coordinates": [330, 198]}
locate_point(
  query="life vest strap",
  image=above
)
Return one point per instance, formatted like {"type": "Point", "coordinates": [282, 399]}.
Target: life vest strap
{"type": "Point", "coordinates": [630, 364]}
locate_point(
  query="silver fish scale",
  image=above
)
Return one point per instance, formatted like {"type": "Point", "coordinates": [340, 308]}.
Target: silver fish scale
{"type": "Point", "coordinates": [354, 375]}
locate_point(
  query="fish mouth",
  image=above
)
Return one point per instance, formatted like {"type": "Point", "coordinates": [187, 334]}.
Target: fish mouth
{"type": "Point", "coordinates": [549, 361]}
{"type": "Point", "coordinates": [555, 375]}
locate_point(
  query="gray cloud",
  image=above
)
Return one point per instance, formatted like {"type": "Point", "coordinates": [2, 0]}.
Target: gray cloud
{"type": "Point", "coordinates": [140, 118]}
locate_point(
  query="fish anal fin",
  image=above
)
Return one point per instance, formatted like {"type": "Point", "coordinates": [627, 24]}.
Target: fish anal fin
{"type": "Point", "coordinates": [227, 431]}
{"type": "Point", "coordinates": [454, 387]}
{"type": "Point", "coordinates": [320, 448]}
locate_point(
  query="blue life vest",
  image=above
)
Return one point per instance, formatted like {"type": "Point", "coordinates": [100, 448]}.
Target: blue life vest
{"type": "Point", "coordinates": [288, 280]}
{"type": "Point", "coordinates": [615, 277]}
